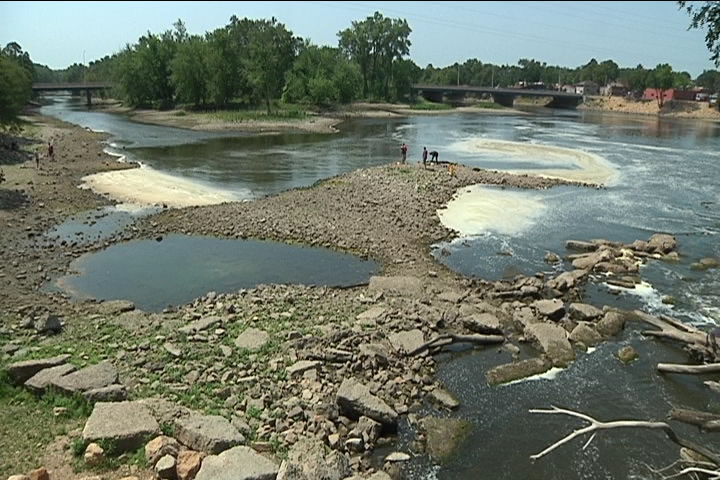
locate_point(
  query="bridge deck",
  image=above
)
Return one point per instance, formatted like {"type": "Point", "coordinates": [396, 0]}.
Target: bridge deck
{"type": "Point", "coordinates": [494, 90]}
{"type": "Point", "coordinates": [54, 87]}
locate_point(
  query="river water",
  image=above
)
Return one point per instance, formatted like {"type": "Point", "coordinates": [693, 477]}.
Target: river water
{"type": "Point", "coordinates": [659, 175]}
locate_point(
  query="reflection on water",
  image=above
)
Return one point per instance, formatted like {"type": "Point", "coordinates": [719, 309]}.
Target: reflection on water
{"type": "Point", "coordinates": [174, 271]}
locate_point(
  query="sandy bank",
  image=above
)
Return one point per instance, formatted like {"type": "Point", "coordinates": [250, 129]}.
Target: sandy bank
{"type": "Point", "coordinates": [672, 109]}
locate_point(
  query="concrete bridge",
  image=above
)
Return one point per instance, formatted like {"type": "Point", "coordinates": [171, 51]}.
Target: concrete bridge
{"type": "Point", "coordinates": [503, 96]}
{"type": "Point", "coordinates": [87, 87]}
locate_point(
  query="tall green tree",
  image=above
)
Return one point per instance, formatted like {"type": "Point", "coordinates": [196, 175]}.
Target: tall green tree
{"type": "Point", "coordinates": [661, 78]}
{"type": "Point", "coordinates": [190, 72]}
{"type": "Point", "coordinates": [15, 83]}
{"type": "Point", "coordinates": [322, 76]}
{"type": "Point", "coordinates": [706, 15]}
{"type": "Point", "coordinates": [375, 44]}
{"type": "Point", "coordinates": [709, 79]}
{"type": "Point", "coordinates": [271, 50]}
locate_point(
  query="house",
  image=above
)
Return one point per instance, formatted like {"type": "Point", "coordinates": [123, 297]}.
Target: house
{"type": "Point", "coordinates": [587, 88]}
{"type": "Point", "coordinates": [614, 90]}
{"type": "Point", "coordinates": [668, 94]}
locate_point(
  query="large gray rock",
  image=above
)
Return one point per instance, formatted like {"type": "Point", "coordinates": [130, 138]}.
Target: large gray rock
{"type": "Point", "coordinates": [662, 243]}
{"type": "Point", "coordinates": [207, 433]}
{"type": "Point", "coordinates": [95, 376]}
{"type": "Point", "coordinates": [200, 325]}
{"type": "Point", "coordinates": [21, 372]}
{"type": "Point", "coordinates": [113, 307]}
{"type": "Point", "coordinates": [238, 463]}
{"type": "Point", "coordinates": [127, 425]}
{"type": "Point", "coordinates": [611, 324]}
{"type": "Point", "coordinates": [510, 372]}
{"type": "Point", "coordinates": [308, 460]}
{"type": "Point", "coordinates": [407, 286]}
{"type": "Point", "coordinates": [408, 341]}
{"type": "Point", "coordinates": [111, 393]}
{"type": "Point", "coordinates": [252, 339]}
{"type": "Point", "coordinates": [552, 340]}
{"type": "Point", "coordinates": [551, 309]}
{"type": "Point", "coordinates": [355, 399]}
{"type": "Point", "coordinates": [584, 312]}
{"type": "Point", "coordinates": [444, 435]}
{"type": "Point", "coordinates": [39, 382]}
{"type": "Point", "coordinates": [48, 323]}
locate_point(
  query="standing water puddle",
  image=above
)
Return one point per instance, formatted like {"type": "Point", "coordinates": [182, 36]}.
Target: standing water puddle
{"type": "Point", "coordinates": [156, 274]}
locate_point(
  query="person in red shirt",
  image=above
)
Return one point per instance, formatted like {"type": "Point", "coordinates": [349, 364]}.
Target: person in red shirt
{"type": "Point", "coordinates": [403, 153]}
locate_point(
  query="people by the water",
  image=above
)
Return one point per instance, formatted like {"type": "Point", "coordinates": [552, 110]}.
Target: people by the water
{"type": "Point", "coordinates": [424, 156]}
{"type": "Point", "coordinates": [403, 152]}
{"type": "Point", "coordinates": [51, 151]}
{"type": "Point", "coordinates": [434, 156]}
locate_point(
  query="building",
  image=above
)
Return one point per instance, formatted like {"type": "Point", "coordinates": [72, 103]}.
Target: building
{"type": "Point", "coordinates": [587, 88]}
{"type": "Point", "coordinates": [669, 94]}
{"type": "Point", "coordinates": [614, 90]}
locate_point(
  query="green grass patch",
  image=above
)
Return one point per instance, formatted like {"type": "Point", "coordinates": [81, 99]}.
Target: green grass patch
{"type": "Point", "coordinates": [430, 106]}
{"type": "Point", "coordinates": [28, 424]}
{"type": "Point", "coordinates": [489, 105]}
{"type": "Point", "coordinates": [237, 116]}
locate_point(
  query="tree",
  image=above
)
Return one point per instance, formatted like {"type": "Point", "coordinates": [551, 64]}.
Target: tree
{"type": "Point", "coordinates": [706, 15]}
{"type": "Point", "coordinates": [661, 78]}
{"type": "Point", "coordinates": [322, 76]}
{"type": "Point", "coordinates": [375, 44]}
{"type": "Point", "coordinates": [15, 84]}
{"type": "Point", "coordinates": [709, 79]}
{"type": "Point", "coordinates": [271, 50]}
{"type": "Point", "coordinates": [190, 71]}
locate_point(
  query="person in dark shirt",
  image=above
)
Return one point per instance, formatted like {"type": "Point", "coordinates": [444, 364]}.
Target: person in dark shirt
{"type": "Point", "coordinates": [434, 156]}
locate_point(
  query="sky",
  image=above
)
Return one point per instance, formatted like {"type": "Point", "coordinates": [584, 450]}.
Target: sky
{"type": "Point", "coordinates": [567, 34]}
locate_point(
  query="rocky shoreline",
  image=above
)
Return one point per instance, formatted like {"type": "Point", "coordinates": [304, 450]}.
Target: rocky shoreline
{"type": "Point", "coordinates": [281, 367]}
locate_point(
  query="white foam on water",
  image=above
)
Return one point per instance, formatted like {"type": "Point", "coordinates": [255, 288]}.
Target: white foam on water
{"type": "Point", "coordinates": [477, 210]}
{"type": "Point", "coordinates": [549, 375]}
{"type": "Point", "coordinates": [581, 166]}
{"type": "Point", "coordinates": [144, 186]}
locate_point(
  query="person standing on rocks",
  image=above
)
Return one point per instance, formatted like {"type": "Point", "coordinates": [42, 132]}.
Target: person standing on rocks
{"type": "Point", "coordinates": [424, 156]}
{"type": "Point", "coordinates": [403, 152]}
{"type": "Point", "coordinates": [51, 151]}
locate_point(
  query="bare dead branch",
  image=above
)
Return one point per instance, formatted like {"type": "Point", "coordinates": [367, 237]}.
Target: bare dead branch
{"type": "Point", "coordinates": [596, 425]}
{"type": "Point", "coordinates": [447, 339]}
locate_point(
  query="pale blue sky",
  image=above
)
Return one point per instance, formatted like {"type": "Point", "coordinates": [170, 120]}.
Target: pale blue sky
{"type": "Point", "coordinates": [569, 34]}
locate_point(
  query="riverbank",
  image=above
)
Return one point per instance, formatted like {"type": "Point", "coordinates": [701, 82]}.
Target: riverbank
{"type": "Point", "coordinates": [325, 121]}
{"type": "Point", "coordinates": [273, 359]}
{"type": "Point", "coordinates": [671, 109]}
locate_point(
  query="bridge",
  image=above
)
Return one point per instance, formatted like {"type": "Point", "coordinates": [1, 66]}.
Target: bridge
{"type": "Point", "coordinates": [87, 87]}
{"type": "Point", "coordinates": [502, 96]}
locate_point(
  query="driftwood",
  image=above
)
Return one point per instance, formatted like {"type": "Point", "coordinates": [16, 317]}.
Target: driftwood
{"type": "Point", "coordinates": [706, 421]}
{"type": "Point", "coordinates": [596, 425]}
{"type": "Point", "coordinates": [692, 369]}
{"type": "Point", "coordinates": [674, 330]}
{"type": "Point", "coordinates": [449, 338]}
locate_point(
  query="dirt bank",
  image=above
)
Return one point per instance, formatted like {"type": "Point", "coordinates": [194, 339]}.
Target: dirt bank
{"type": "Point", "coordinates": [672, 109]}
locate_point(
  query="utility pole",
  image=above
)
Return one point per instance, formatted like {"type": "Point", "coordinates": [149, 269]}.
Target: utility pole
{"type": "Point", "coordinates": [492, 77]}
{"type": "Point", "coordinates": [84, 76]}
{"type": "Point", "coordinates": [458, 76]}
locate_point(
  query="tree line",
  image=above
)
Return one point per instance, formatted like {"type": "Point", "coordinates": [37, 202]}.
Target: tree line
{"type": "Point", "coordinates": [261, 63]}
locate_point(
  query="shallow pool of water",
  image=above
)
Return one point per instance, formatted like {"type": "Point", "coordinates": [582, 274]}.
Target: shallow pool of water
{"type": "Point", "coordinates": [179, 268]}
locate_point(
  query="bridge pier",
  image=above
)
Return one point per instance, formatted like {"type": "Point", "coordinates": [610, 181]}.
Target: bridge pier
{"type": "Point", "coordinates": [436, 97]}
{"type": "Point", "coordinates": [564, 102]}
{"type": "Point", "coordinates": [88, 95]}
{"type": "Point", "coordinates": [503, 99]}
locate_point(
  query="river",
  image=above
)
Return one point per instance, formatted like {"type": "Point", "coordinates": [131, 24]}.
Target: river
{"type": "Point", "coordinates": [659, 175]}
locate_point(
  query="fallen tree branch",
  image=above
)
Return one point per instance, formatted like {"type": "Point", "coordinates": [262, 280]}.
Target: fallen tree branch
{"type": "Point", "coordinates": [691, 369]}
{"type": "Point", "coordinates": [596, 425]}
{"type": "Point", "coordinates": [449, 338]}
